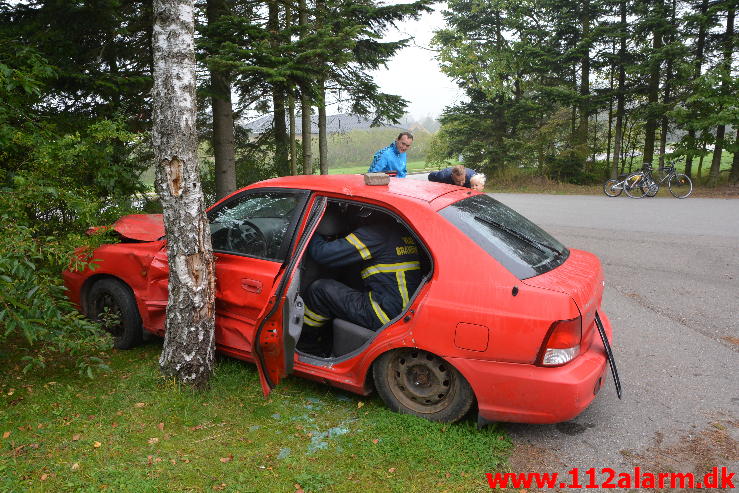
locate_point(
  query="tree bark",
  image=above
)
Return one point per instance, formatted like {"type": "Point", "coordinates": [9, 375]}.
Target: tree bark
{"type": "Point", "coordinates": [734, 175]}
{"type": "Point", "coordinates": [322, 131]}
{"type": "Point", "coordinates": [699, 47]}
{"type": "Point", "coordinates": [291, 103]}
{"type": "Point", "coordinates": [650, 126]}
{"type": "Point", "coordinates": [618, 138]}
{"type": "Point", "coordinates": [223, 121]}
{"type": "Point", "coordinates": [721, 129]}
{"type": "Point", "coordinates": [189, 345]}
{"type": "Point", "coordinates": [278, 97]}
{"type": "Point", "coordinates": [667, 98]}
{"type": "Point", "coordinates": [581, 139]}
{"type": "Point", "coordinates": [305, 102]}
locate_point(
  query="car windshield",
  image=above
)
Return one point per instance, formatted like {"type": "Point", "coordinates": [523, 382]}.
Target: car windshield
{"type": "Point", "coordinates": [519, 245]}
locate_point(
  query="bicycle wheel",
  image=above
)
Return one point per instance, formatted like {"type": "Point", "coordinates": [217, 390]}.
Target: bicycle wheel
{"type": "Point", "coordinates": [612, 188]}
{"type": "Point", "coordinates": [652, 188]}
{"type": "Point", "coordinates": [633, 185]}
{"type": "Point", "coordinates": [680, 186]}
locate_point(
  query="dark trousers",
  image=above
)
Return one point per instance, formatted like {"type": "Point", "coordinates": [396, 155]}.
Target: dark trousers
{"type": "Point", "coordinates": [332, 299]}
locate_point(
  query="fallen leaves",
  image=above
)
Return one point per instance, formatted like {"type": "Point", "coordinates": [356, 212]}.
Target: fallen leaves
{"type": "Point", "coordinates": [227, 459]}
{"type": "Point", "coordinates": [153, 440]}
{"type": "Point", "coordinates": [97, 444]}
{"type": "Point", "coordinates": [376, 441]}
{"type": "Point", "coordinates": [360, 404]}
{"type": "Point", "coordinates": [75, 466]}
{"type": "Point", "coordinates": [76, 437]}
{"type": "Point", "coordinates": [6, 434]}
{"type": "Point", "coordinates": [160, 426]}
{"type": "Point", "coordinates": [139, 405]}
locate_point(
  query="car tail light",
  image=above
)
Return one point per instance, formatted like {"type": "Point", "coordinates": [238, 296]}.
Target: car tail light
{"type": "Point", "coordinates": [562, 343]}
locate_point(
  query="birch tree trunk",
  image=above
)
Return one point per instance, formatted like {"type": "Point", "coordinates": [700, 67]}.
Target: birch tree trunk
{"type": "Point", "coordinates": [189, 341]}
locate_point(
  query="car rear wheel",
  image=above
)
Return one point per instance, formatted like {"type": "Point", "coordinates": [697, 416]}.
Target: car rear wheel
{"type": "Point", "coordinates": [112, 305]}
{"type": "Point", "coordinates": [412, 381]}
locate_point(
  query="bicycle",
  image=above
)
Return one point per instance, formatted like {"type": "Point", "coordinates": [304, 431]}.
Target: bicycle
{"type": "Point", "coordinates": [641, 183]}
{"type": "Point", "coordinates": [614, 186]}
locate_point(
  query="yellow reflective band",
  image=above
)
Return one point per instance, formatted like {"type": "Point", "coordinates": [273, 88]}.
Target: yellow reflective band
{"type": "Point", "coordinates": [314, 315]}
{"type": "Point", "coordinates": [390, 268]}
{"type": "Point", "coordinates": [311, 322]}
{"type": "Point", "coordinates": [378, 310]}
{"type": "Point", "coordinates": [402, 287]}
{"type": "Point", "coordinates": [361, 248]}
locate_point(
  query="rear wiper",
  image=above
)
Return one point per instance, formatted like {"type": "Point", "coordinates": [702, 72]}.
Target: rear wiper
{"type": "Point", "coordinates": [536, 244]}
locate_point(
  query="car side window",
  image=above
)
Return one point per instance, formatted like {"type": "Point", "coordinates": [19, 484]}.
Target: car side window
{"type": "Point", "coordinates": [255, 224]}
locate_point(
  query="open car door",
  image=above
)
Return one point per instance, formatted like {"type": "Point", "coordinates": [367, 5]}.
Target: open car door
{"type": "Point", "coordinates": [281, 321]}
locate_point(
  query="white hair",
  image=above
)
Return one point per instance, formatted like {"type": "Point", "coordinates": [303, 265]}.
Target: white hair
{"type": "Point", "coordinates": [478, 178]}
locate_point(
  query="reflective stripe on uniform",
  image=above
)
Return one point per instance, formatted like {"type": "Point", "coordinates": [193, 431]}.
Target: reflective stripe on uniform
{"type": "Point", "coordinates": [309, 321]}
{"type": "Point", "coordinates": [399, 269]}
{"type": "Point", "coordinates": [314, 315]}
{"type": "Point", "coordinates": [378, 310]}
{"type": "Point", "coordinates": [313, 319]}
{"type": "Point", "coordinates": [388, 268]}
{"type": "Point", "coordinates": [361, 247]}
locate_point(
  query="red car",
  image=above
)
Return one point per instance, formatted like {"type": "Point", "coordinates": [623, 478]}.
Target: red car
{"type": "Point", "coordinates": [506, 319]}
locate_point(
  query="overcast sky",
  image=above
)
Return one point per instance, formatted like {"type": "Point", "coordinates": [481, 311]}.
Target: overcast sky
{"type": "Point", "coordinates": [414, 73]}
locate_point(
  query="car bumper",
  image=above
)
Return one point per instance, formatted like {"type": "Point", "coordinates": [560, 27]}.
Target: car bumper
{"type": "Point", "coordinates": [524, 393]}
{"type": "Point", "coordinates": [73, 282]}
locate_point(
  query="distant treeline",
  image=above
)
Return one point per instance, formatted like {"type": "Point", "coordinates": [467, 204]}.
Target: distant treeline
{"type": "Point", "coordinates": [552, 84]}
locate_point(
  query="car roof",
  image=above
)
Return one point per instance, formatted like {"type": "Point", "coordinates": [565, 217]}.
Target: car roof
{"type": "Point", "coordinates": [436, 195]}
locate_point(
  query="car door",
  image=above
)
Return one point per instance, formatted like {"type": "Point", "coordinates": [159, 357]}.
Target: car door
{"type": "Point", "coordinates": [281, 321]}
{"type": "Point", "coordinates": [251, 234]}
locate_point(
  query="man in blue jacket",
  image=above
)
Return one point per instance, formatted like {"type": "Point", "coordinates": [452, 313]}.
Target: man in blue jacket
{"type": "Point", "coordinates": [456, 175]}
{"type": "Point", "coordinates": [391, 159]}
{"type": "Point", "coordinates": [391, 273]}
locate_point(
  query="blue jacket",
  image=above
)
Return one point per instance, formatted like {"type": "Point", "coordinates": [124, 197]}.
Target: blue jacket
{"type": "Point", "coordinates": [389, 159]}
{"type": "Point", "coordinates": [445, 176]}
{"type": "Point", "coordinates": [391, 269]}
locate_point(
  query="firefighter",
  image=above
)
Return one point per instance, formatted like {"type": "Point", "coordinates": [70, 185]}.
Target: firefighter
{"type": "Point", "coordinates": [391, 272]}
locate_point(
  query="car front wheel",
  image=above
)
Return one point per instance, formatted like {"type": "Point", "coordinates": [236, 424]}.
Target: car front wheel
{"type": "Point", "coordinates": [112, 305]}
{"type": "Point", "coordinates": [412, 381]}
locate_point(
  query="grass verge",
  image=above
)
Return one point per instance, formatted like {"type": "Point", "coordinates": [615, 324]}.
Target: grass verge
{"type": "Point", "coordinates": [132, 430]}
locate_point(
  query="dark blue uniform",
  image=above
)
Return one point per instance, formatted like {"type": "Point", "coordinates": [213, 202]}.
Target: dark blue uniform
{"type": "Point", "coordinates": [445, 176]}
{"type": "Point", "coordinates": [391, 272]}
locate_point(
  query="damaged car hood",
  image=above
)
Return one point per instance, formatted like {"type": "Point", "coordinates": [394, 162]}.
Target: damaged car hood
{"type": "Point", "coordinates": [141, 227]}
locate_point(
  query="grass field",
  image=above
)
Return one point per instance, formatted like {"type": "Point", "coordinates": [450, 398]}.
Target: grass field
{"type": "Point", "coordinates": [130, 429]}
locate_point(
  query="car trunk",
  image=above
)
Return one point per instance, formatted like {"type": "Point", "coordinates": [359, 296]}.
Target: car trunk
{"type": "Point", "coordinates": [581, 277]}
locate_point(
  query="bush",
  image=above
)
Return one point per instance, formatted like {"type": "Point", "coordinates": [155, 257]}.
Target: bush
{"type": "Point", "coordinates": [49, 196]}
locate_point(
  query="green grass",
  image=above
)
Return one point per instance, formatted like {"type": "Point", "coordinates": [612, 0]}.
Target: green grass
{"type": "Point", "coordinates": [412, 167]}
{"type": "Point", "coordinates": [132, 430]}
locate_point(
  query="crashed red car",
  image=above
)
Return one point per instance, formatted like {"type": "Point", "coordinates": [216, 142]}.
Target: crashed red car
{"type": "Point", "coordinates": [506, 321]}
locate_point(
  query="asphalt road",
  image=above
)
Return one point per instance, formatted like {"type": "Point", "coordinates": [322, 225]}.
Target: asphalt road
{"type": "Point", "coordinates": [672, 294]}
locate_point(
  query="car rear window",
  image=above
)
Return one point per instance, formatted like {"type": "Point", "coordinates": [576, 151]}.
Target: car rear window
{"type": "Point", "coordinates": [519, 245]}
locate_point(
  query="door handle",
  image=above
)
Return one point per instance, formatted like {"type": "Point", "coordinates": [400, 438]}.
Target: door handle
{"type": "Point", "coordinates": [252, 285]}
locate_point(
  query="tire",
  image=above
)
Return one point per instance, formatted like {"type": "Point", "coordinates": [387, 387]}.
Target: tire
{"type": "Point", "coordinates": [115, 298]}
{"type": "Point", "coordinates": [633, 185]}
{"type": "Point", "coordinates": [412, 381]}
{"type": "Point", "coordinates": [652, 189]}
{"type": "Point", "coordinates": [608, 188]}
{"type": "Point", "coordinates": [680, 186]}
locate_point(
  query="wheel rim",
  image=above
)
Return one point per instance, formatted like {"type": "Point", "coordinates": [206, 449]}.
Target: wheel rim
{"type": "Point", "coordinates": [634, 187]}
{"type": "Point", "coordinates": [108, 313]}
{"type": "Point", "coordinates": [680, 186]}
{"type": "Point", "coordinates": [421, 381]}
{"type": "Point", "coordinates": [611, 188]}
